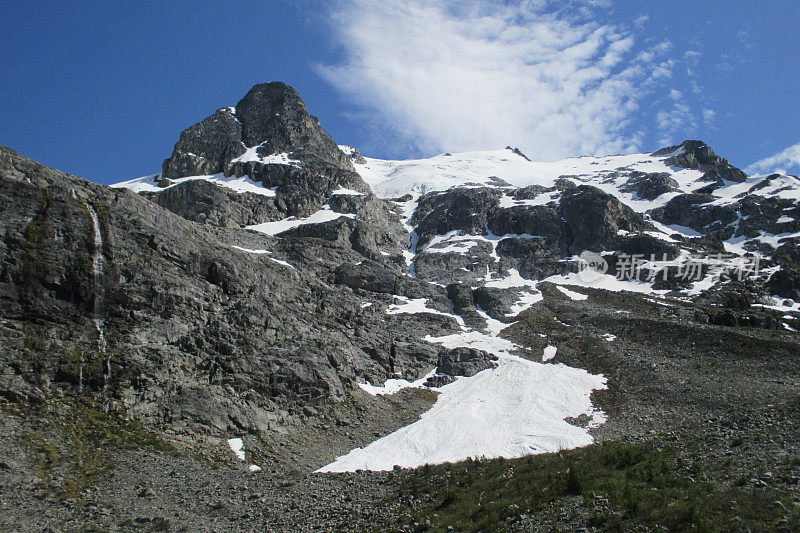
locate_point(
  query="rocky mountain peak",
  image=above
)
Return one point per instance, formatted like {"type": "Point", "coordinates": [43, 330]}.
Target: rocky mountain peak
{"type": "Point", "coordinates": [699, 156]}
{"type": "Point", "coordinates": [270, 125]}
{"type": "Point", "coordinates": [206, 147]}
{"type": "Point", "coordinates": [275, 118]}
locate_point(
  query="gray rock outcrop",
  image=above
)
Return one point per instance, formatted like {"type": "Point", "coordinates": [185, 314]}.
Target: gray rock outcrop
{"type": "Point", "coordinates": [271, 118]}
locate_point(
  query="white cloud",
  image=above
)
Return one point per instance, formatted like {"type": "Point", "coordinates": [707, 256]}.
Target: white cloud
{"type": "Point", "coordinates": [677, 122]}
{"type": "Point", "coordinates": [441, 75]}
{"type": "Point", "coordinates": [786, 161]}
{"type": "Point", "coordinates": [663, 69]}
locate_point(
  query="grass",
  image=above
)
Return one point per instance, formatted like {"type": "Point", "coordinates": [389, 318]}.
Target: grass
{"type": "Point", "coordinates": [619, 486]}
{"type": "Point", "coordinates": [72, 444]}
{"type": "Point", "coordinates": [36, 234]}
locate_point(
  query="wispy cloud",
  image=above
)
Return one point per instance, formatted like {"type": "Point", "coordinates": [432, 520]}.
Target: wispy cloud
{"type": "Point", "coordinates": [441, 75]}
{"type": "Point", "coordinates": [786, 161]}
{"type": "Point", "coordinates": [679, 121]}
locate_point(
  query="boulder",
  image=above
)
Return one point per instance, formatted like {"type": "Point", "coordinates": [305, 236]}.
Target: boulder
{"type": "Point", "coordinates": [649, 186]}
{"type": "Point", "coordinates": [369, 276]}
{"type": "Point", "coordinates": [534, 258]}
{"type": "Point", "coordinates": [463, 209]}
{"type": "Point", "coordinates": [788, 254]}
{"type": "Point", "coordinates": [461, 296]}
{"type": "Point", "coordinates": [496, 302]}
{"type": "Point", "coordinates": [538, 220]}
{"type": "Point", "coordinates": [464, 362]}
{"type": "Point", "coordinates": [647, 246]}
{"type": "Point", "coordinates": [593, 219]}
{"type": "Point", "coordinates": [785, 283]}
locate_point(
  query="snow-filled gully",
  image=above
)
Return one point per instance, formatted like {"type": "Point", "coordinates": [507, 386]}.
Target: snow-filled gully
{"type": "Point", "coordinates": [516, 409]}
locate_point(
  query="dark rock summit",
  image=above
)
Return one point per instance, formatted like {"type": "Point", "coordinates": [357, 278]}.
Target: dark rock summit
{"type": "Point", "coordinates": [206, 147]}
{"type": "Point", "coordinates": [272, 119]}
{"type": "Point", "coordinates": [698, 155]}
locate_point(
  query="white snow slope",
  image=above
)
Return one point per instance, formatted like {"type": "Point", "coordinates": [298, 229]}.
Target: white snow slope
{"type": "Point", "coordinates": [513, 410]}
{"type": "Point", "coordinates": [323, 215]}
{"type": "Point", "coordinates": [239, 184]}
{"type": "Point", "coordinates": [392, 179]}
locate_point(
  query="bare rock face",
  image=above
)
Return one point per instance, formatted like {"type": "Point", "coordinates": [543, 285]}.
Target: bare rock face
{"type": "Point", "coordinates": [593, 218]}
{"type": "Point", "coordinates": [686, 210]}
{"type": "Point", "coordinates": [533, 258]}
{"type": "Point", "coordinates": [748, 217]}
{"type": "Point", "coordinates": [649, 186]}
{"type": "Point", "coordinates": [465, 362]}
{"type": "Point", "coordinates": [369, 276]}
{"type": "Point", "coordinates": [529, 238]}
{"type": "Point", "coordinates": [206, 203]}
{"type": "Point", "coordinates": [788, 253]}
{"type": "Point", "coordinates": [785, 283]}
{"type": "Point", "coordinates": [221, 329]}
{"type": "Point", "coordinates": [698, 155]}
{"type": "Point", "coordinates": [647, 246]}
{"type": "Point", "coordinates": [206, 147]}
{"type": "Point", "coordinates": [272, 119]}
{"type": "Point", "coordinates": [460, 209]}
{"type": "Point", "coordinates": [496, 302]}
{"type": "Point", "coordinates": [539, 220]}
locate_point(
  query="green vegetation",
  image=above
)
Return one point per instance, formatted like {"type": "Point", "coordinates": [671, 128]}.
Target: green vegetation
{"type": "Point", "coordinates": [38, 228]}
{"type": "Point", "coordinates": [72, 444]}
{"type": "Point", "coordinates": [614, 486]}
{"type": "Point", "coordinates": [34, 264]}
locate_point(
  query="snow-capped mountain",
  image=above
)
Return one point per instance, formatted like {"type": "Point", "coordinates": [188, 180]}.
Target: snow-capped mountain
{"type": "Point", "coordinates": [270, 282]}
{"type": "Point", "coordinates": [484, 230]}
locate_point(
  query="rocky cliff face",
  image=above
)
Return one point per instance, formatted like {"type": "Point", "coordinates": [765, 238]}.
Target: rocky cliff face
{"type": "Point", "coordinates": [213, 328]}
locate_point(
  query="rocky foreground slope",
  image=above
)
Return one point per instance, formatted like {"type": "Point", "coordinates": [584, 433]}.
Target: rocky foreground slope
{"type": "Point", "coordinates": [338, 312]}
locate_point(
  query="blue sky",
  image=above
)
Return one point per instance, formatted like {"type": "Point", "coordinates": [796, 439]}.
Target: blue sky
{"type": "Point", "coordinates": [103, 89]}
